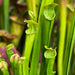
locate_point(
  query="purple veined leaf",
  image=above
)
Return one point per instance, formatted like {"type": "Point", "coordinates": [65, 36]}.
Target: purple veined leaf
{"type": "Point", "coordinates": [0, 2]}
{"type": "Point", "coordinates": [3, 53]}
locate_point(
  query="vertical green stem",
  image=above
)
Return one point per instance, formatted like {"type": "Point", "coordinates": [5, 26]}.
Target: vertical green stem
{"type": "Point", "coordinates": [37, 46]}
{"type": "Point", "coordinates": [50, 55]}
{"type": "Point", "coordinates": [37, 6]}
{"type": "Point", "coordinates": [6, 14]}
{"type": "Point", "coordinates": [32, 5]}
{"type": "Point", "coordinates": [62, 31]}
{"type": "Point", "coordinates": [27, 51]}
{"type": "Point", "coordinates": [41, 39]}
{"type": "Point", "coordinates": [29, 37]}
{"type": "Point", "coordinates": [20, 68]}
{"type": "Point", "coordinates": [50, 66]}
{"type": "Point", "coordinates": [71, 50]}
{"type": "Point", "coordinates": [69, 47]}
{"type": "Point", "coordinates": [47, 26]}
{"type": "Point", "coordinates": [1, 17]}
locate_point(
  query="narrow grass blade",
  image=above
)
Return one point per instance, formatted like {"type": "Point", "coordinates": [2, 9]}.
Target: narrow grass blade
{"type": "Point", "coordinates": [62, 33]}
{"type": "Point", "coordinates": [44, 21]}
{"type": "Point", "coordinates": [50, 55]}
{"type": "Point", "coordinates": [20, 68]}
{"type": "Point", "coordinates": [9, 53]}
{"type": "Point", "coordinates": [16, 64]}
{"type": "Point", "coordinates": [23, 65]}
{"type": "Point", "coordinates": [6, 14]}
{"type": "Point", "coordinates": [47, 25]}
{"type": "Point", "coordinates": [1, 17]}
{"type": "Point", "coordinates": [69, 47]}
{"type": "Point", "coordinates": [71, 50]}
{"type": "Point", "coordinates": [30, 36]}
{"type": "Point", "coordinates": [32, 5]}
{"type": "Point", "coordinates": [14, 61]}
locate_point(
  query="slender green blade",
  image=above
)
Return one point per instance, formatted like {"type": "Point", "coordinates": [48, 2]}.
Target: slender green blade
{"type": "Point", "coordinates": [69, 46]}
{"type": "Point", "coordinates": [39, 38]}
{"type": "Point", "coordinates": [6, 14]}
{"type": "Point", "coordinates": [62, 35]}
{"type": "Point", "coordinates": [1, 17]}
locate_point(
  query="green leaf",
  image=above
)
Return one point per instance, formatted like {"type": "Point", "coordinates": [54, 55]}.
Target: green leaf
{"type": "Point", "coordinates": [47, 2]}
{"type": "Point", "coordinates": [30, 35]}
{"type": "Point", "coordinates": [14, 61]}
{"type": "Point", "coordinates": [49, 12]}
{"type": "Point", "coordinates": [62, 35]}
{"type": "Point", "coordinates": [22, 59]}
{"type": "Point", "coordinates": [50, 53]}
{"type": "Point", "coordinates": [9, 46]}
{"type": "Point", "coordinates": [16, 64]}
{"type": "Point", "coordinates": [31, 22]}
{"type": "Point", "coordinates": [41, 38]}
{"type": "Point", "coordinates": [32, 26]}
{"type": "Point", "coordinates": [69, 46]}
{"type": "Point", "coordinates": [1, 17]}
{"type": "Point", "coordinates": [32, 15]}
{"type": "Point", "coordinates": [32, 6]}
{"type": "Point", "coordinates": [9, 53]}
{"type": "Point", "coordinates": [20, 68]}
{"type": "Point", "coordinates": [6, 14]}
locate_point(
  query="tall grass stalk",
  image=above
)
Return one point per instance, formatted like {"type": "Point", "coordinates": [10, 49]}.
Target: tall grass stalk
{"type": "Point", "coordinates": [46, 27]}
{"type": "Point", "coordinates": [62, 32]}
{"type": "Point", "coordinates": [38, 2]}
{"type": "Point", "coordinates": [32, 5]}
{"type": "Point", "coordinates": [36, 48]}
{"type": "Point", "coordinates": [71, 50]}
{"type": "Point", "coordinates": [42, 36]}
{"type": "Point", "coordinates": [30, 33]}
{"type": "Point", "coordinates": [6, 14]}
{"type": "Point", "coordinates": [30, 37]}
{"type": "Point", "coordinates": [1, 17]}
{"type": "Point", "coordinates": [69, 46]}
{"type": "Point", "coordinates": [50, 55]}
